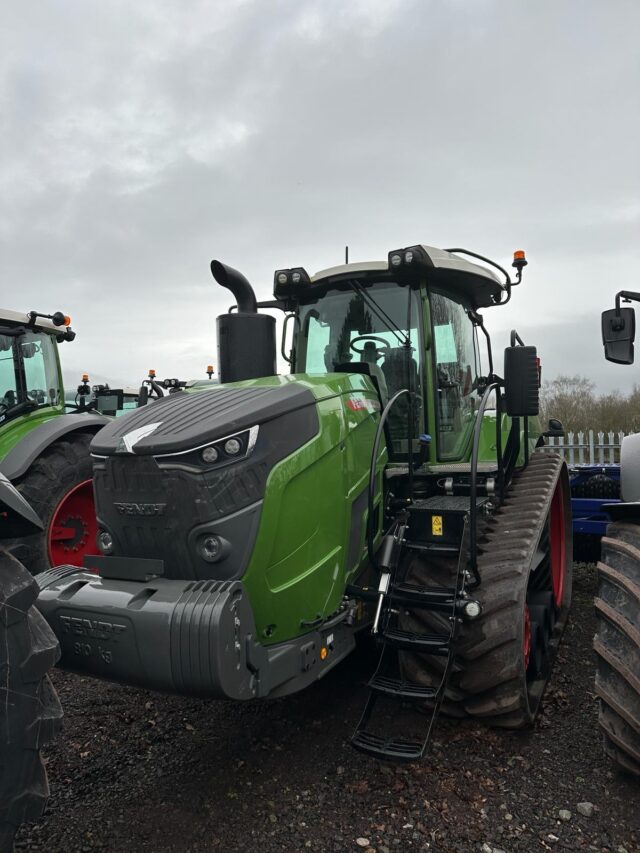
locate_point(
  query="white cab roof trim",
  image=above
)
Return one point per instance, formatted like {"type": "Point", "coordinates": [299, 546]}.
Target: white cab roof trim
{"type": "Point", "coordinates": [448, 261]}
{"type": "Point", "coordinates": [441, 260]}
{"type": "Point", "coordinates": [367, 266]}
{"type": "Point", "coordinates": [23, 319]}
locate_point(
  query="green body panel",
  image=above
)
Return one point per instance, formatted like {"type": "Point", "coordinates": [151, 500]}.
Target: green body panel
{"type": "Point", "coordinates": [300, 563]}
{"type": "Point", "coordinates": [14, 430]}
{"type": "Point", "coordinates": [487, 447]}
{"type": "Point", "coordinates": [311, 537]}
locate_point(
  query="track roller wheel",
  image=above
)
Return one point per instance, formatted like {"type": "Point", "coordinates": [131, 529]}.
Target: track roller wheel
{"type": "Point", "coordinates": [617, 644]}
{"type": "Point", "coordinates": [525, 559]}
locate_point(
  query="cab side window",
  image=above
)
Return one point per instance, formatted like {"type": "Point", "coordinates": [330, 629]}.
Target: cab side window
{"type": "Point", "coordinates": [456, 374]}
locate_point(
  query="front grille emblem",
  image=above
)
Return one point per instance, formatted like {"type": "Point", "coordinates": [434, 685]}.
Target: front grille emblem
{"type": "Point", "coordinates": [130, 439]}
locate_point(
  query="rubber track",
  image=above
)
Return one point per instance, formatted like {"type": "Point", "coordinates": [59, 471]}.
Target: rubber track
{"type": "Point", "coordinates": [490, 679]}
{"type": "Point", "coordinates": [30, 713]}
{"type": "Point", "coordinates": [617, 644]}
{"type": "Point", "coordinates": [61, 467]}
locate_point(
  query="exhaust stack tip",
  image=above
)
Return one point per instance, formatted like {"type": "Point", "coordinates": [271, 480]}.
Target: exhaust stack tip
{"type": "Point", "coordinates": [238, 285]}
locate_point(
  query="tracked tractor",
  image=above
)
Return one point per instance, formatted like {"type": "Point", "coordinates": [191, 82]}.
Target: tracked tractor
{"type": "Point", "coordinates": [44, 440]}
{"type": "Point", "coordinates": [391, 483]}
{"type": "Point", "coordinates": [617, 641]}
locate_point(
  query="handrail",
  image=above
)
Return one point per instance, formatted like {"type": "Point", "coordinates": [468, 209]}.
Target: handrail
{"type": "Point", "coordinates": [473, 490]}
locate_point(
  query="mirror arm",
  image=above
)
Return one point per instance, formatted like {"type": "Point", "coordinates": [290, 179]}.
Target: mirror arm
{"type": "Point", "coordinates": [628, 296]}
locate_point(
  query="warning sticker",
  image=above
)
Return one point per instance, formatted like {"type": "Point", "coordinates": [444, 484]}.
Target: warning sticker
{"type": "Point", "coordinates": [436, 525]}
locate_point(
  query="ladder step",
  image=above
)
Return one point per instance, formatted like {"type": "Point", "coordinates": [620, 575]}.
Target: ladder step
{"type": "Point", "coordinates": [434, 549]}
{"type": "Point", "coordinates": [433, 644]}
{"type": "Point", "coordinates": [393, 749]}
{"type": "Point", "coordinates": [401, 689]}
{"type": "Point", "coordinates": [435, 597]}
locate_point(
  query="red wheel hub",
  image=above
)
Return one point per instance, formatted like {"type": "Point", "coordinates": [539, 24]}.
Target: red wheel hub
{"type": "Point", "coordinates": [557, 543]}
{"type": "Point", "coordinates": [73, 527]}
{"type": "Point", "coordinates": [526, 638]}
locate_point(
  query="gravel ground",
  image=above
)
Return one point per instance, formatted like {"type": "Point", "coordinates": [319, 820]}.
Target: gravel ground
{"type": "Point", "coordinates": [137, 771]}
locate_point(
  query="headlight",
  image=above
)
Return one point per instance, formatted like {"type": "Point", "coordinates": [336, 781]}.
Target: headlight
{"type": "Point", "coordinates": [210, 455]}
{"type": "Point", "coordinates": [232, 446]}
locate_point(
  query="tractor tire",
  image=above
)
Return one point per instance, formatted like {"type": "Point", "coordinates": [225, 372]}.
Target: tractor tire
{"type": "Point", "coordinates": [503, 658]}
{"type": "Point", "coordinates": [59, 486]}
{"type": "Point", "coordinates": [617, 644]}
{"type": "Point", "coordinates": [30, 713]}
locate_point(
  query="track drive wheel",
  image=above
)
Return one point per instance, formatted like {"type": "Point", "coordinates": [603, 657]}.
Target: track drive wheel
{"type": "Point", "coordinates": [59, 487]}
{"type": "Point", "coordinates": [30, 713]}
{"type": "Point", "coordinates": [617, 644]}
{"type": "Point", "coordinates": [525, 560]}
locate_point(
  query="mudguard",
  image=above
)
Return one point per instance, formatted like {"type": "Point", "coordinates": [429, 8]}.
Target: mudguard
{"type": "Point", "coordinates": [24, 454]}
{"type": "Point", "coordinates": [22, 519]}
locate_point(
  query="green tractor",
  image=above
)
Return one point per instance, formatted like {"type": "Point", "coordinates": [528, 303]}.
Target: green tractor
{"type": "Point", "coordinates": [391, 483]}
{"type": "Point", "coordinates": [44, 449]}
{"type": "Point", "coordinates": [617, 641]}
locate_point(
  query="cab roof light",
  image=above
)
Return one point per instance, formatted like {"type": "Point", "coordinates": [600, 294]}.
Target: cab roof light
{"type": "Point", "coordinates": [295, 276]}
{"type": "Point", "coordinates": [407, 261]}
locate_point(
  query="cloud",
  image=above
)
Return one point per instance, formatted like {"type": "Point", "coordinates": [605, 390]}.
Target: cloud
{"type": "Point", "coordinates": [139, 141]}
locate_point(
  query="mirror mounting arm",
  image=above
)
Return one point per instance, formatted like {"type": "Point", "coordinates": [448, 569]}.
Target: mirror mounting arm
{"type": "Point", "coordinates": [627, 296]}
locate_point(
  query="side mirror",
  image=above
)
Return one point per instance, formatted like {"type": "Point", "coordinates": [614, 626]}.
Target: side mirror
{"type": "Point", "coordinates": [555, 429]}
{"type": "Point", "coordinates": [618, 333]}
{"type": "Point", "coordinates": [521, 381]}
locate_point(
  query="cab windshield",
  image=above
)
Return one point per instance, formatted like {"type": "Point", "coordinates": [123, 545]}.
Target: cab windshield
{"type": "Point", "coordinates": [377, 324]}
{"type": "Point", "coordinates": [29, 376]}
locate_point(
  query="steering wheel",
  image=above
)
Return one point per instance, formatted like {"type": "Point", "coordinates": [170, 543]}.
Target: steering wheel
{"type": "Point", "coordinates": [385, 344]}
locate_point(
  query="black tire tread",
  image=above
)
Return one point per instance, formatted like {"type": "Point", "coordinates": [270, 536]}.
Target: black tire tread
{"type": "Point", "coordinates": [490, 681]}
{"type": "Point", "coordinates": [62, 466]}
{"type": "Point", "coordinates": [30, 712]}
{"type": "Point", "coordinates": [617, 645]}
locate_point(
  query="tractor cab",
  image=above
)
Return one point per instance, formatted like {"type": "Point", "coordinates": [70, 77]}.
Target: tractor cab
{"type": "Point", "coordinates": [30, 376]}
{"type": "Point", "coordinates": [409, 323]}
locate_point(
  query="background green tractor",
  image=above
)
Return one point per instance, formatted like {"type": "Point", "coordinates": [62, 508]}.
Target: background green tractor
{"type": "Point", "coordinates": [617, 642]}
{"type": "Point", "coordinates": [391, 482]}
{"type": "Point", "coordinates": [44, 449]}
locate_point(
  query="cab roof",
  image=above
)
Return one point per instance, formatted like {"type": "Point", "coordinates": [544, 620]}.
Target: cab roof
{"type": "Point", "coordinates": [476, 283]}
{"type": "Point", "coordinates": [16, 318]}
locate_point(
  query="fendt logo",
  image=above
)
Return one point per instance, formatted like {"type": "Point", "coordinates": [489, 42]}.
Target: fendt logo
{"type": "Point", "coordinates": [140, 509]}
{"type": "Point", "coordinates": [95, 628]}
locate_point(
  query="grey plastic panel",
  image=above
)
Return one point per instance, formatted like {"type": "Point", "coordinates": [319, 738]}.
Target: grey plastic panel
{"type": "Point", "coordinates": [22, 518]}
{"type": "Point", "coordinates": [184, 421]}
{"type": "Point", "coordinates": [193, 638]}
{"type": "Point", "coordinates": [630, 468]}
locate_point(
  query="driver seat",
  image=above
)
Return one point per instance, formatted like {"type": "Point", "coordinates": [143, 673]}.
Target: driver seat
{"type": "Point", "coordinates": [369, 356]}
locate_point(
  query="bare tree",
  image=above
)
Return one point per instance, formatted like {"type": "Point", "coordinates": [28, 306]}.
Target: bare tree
{"type": "Point", "coordinates": [574, 401]}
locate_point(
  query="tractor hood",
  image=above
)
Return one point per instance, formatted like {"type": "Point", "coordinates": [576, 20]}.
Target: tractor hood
{"type": "Point", "coordinates": [187, 474]}
{"type": "Point", "coordinates": [183, 421]}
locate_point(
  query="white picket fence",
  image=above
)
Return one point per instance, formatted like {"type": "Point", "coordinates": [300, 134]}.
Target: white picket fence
{"type": "Point", "coordinates": [589, 448]}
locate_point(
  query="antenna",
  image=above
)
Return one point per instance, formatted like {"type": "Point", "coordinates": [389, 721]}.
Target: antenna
{"type": "Point", "coordinates": [346, 254]}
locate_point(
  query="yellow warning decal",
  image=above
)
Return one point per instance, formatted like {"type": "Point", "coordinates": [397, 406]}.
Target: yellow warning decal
{"type": "Point", "coordinates": [436, 525]}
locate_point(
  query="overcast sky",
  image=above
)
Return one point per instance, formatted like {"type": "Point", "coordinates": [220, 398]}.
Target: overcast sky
{"type": "Point", "coordinates": [140, 140]}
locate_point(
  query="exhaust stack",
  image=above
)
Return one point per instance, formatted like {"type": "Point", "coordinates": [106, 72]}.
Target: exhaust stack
{"type": "Point", "coordinates": [246, 339]}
